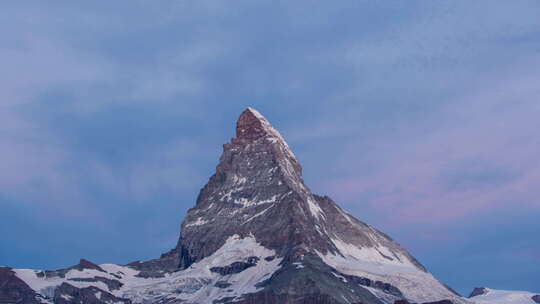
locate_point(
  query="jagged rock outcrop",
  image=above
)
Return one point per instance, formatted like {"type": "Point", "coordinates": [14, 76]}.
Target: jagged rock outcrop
{"type": "Point", "coordinates": [478, 291]}
{"type": "Point", "coordinates": [15, 290]}
{"type": "Point", "coordinates": [257, 235]}
{"type": "Point", "coordinates": [69, 294]}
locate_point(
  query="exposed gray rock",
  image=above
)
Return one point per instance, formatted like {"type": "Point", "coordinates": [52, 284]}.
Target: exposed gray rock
{"type": "Point", "coordinates": [477, 291]}
{"type": "Point", "coordinates": [157, 268]}
{"type": "Point", "coordinates": [437, 302]}
{"type": "Point", "coordinates": [69, 294]}
{"type": "Point", "coordinates": [222, 284]}
{"type": "Point", "coordinates": [309, 278]}
{"type": "Point", "coordinates": [61, 273]}
{"type": "Point", "coordinates": [385, 287]}
{"type": "Point", "coordinates": [235, 267]}
{"type": "Point", "coordinates": [15, 290]}
{"type": "Point", "coordinates": [86, 264]}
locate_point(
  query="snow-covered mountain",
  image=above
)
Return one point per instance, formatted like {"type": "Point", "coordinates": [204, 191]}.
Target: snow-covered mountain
{"type": "Point", "coordinates": [257, 234]}
{"type": "Point", "coordinates": [492, 296]}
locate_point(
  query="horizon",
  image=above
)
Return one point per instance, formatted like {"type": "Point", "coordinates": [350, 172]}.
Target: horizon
{"type": "Point", "coordinates": [419, 119]}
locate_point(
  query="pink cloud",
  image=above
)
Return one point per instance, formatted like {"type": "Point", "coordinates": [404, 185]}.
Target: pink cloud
{"type": "Point", "coordinates": [480, 154]}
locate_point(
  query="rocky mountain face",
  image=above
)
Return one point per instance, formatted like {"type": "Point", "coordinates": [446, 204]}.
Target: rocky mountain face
{"type": "Point", "coordinates": [256, 235]}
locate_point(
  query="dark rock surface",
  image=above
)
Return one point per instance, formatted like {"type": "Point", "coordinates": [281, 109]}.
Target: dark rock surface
{"type": "Point", "coordinates": [61, 273]}
{"type": "Point", "coordinates": [15, 290]}
{"type": "Point", "coordinates": [86, 264]}
{"type": "Point", "coordinates": [69, 294]}
{"type": "Point", "coordinates": [536, 298]}
{"type": "Point", "coordinates": [157, 268]}
{"type": "Point", "coordinates": [385, 287]}
{"type": "Point", "coordinates": [235, 267]}
{"type": "Point", "coordinates": [478, 291]}
{"type": "Point", "coordinates": [437, 302]}
{"type": "Point", "coordinates": [222, 284]}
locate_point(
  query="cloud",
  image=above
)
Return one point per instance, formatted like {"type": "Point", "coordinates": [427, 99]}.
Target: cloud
{"type": "Point", "coordinates": [60, 97]}
{"type": "Point", "coordinates": [480, 154]}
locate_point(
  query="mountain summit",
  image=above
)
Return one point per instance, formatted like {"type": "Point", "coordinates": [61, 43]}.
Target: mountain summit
{"type": "Point", "coordinates": [256, 235]}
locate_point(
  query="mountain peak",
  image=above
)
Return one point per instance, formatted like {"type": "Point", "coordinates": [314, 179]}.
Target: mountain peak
{"type": "Point", "coordinates": [251, 125]}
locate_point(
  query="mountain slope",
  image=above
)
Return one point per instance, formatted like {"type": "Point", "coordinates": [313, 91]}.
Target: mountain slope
{"type": "Point", "coordinates": [257, 234]}
{"type": "Point", "coordinates": [492, 296]}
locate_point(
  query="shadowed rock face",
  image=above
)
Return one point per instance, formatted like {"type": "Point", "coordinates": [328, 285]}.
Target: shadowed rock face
{"type": "Point", "coordinates": [15, 290]}
{"type": "Point", "coordinates": [536, 298]}
{"type": "Point", "coordinates": [478, 291]}
{"type": "Point", "coordinates": [69, 294]}
{"type": "Point", "coordinates": [437, 302]}
{"type": "Point", "coordinates": [250, 126]}
{"type": "Point", "coordinates": [83, 264]}
{"type": "Point", "coordinates": [157, 268]}
{"type": "Point", "coordinates": [315, 282]}
{"type": "Point", "coordinates": [236, 267]}
{"type": "Point", "coordinates": [86, 264]}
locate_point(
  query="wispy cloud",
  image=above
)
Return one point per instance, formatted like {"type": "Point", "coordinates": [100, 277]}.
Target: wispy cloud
{"type": "Point", "coordinates": [418, 113]}
{"type": "Point", "coordinates": [480, 153]}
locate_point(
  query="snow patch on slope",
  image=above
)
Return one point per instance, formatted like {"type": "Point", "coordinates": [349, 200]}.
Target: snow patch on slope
{"type": "Point", "coordinates": [368, 262]}
{"type": "Point", "coordinates": [314, 208]}
{"type": "Point", "coordinates": [197, 222]}
{"type": "Point", "coordinates": [493, 296]}
{"type": "Point", "coordinates": [371, 258]}
{"type": "Point", "coordinates": [196, 284]}
{"type": "Point", "coordinates": [46, 285]}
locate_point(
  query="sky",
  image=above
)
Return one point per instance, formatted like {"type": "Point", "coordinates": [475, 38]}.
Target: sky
{"type": "Point", "coordinates": [420, 118]}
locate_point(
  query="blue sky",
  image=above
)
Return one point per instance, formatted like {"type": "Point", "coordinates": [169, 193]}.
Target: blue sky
{"type": "Point", "coordinates": [419, 117]}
